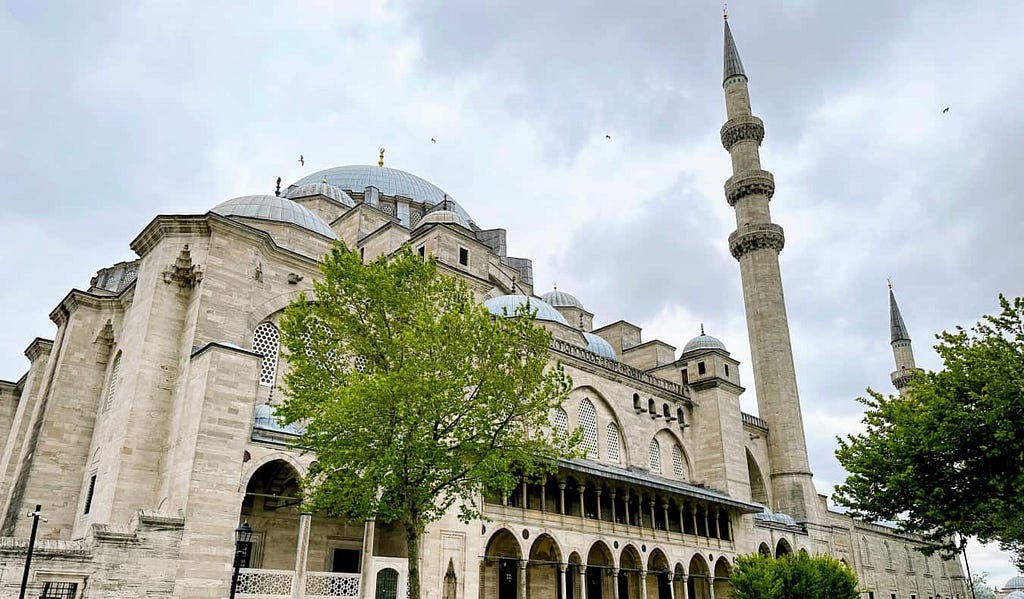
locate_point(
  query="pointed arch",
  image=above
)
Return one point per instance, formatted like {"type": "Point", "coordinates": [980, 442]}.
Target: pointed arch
{"type": "Point", "coordinates": [758, 489]}
{"type": "Point", "coordinates": [266, 341]}
{"type": "Point", "coordinates": [654, 457]}
{"type": "Point", "coordinates": [783, 548]}
{"type": "Point", "coordinates": [587, 421]}
{"type": "Point", "coordinates": [115, 377]}
{"type": "Point", "coordinates": [678, 465]}
{"type": "Point", "coordinates": [764, 549]}
{"type": "Point", "coordinates": [613, 440]}
{"type": "Point", "coordinates": [723, 570]}
{"type": "Point", "coordinates": [560, 422]}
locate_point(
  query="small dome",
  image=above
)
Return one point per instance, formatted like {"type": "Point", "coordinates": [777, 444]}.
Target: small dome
{"type": "Point", "coordinates": [265, 419]}
{"type": "Point", "coordinates": [323, 188]}
{"type": "Point", "coordinates": [1015, 594]}
{"type": "Point", "coordinates": [561, 299]}
{"type": "Point", "coordinates": [1015, 583]}
{"type": "Point", "coordinates": [443, 216]}
{"type": "Point", "coordinates": [273, 208]}
{"type": "Point", "coordinates": [599, 346]}
{"type": "Point", "coordinates": [703, 341]}
{"type": "Point", "coordinates": [779, 517]}
{"type": "Point", "coordinates": [505, 305]}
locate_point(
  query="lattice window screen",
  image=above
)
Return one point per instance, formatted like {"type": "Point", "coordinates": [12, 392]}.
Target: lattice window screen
{"type": "Point", "coordinates": [360, 363]}
{"type": "Point", "coordinates": [677, 462]}
{"type": "Point", "coordinates": [115, 374]}
{"type": "Point", "coordinates": [388, 209]}
{"type": "Point", "coordinates": [612, 434]}
{"type": "Point", "coordinates": [588, 422]}
{"type": "Point", "coordinates": [560, 422]}
{"type": "Point", "coordinates": [266, 341]}
{"type": "Point", "coordinates": [654, 456]}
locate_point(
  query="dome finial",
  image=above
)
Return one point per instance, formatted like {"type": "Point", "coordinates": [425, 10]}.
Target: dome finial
{"type": "Point", "coordinates": [702, 328]}
{"type": "Point", "coordinates": [725, 11]}
{"type": "Point", "coordinates": [889, 281]}
{"type": "Point", "coordinates": [380, 161]}
{"type": "Point", "coordinates": [556, 286]}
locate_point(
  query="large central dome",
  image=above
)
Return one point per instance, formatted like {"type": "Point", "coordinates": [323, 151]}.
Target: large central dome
{"type": "Point", "coordinates": [389, 181]}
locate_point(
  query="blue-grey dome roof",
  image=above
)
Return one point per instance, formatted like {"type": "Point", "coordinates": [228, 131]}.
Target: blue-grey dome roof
{"type": "Point", "coordinates": [1015, 583]}
{"type": "Point", "coordinates": [265, 418]}
{"type": "Point", "coordinates": [389, 181]}
{"type": "Point", "coordinates": [561, 299]}
{"type": "Point", "coordinates": [277, 209]}
{"type": "Point", "coordinates": [778, 517]}
{"type": "Point", "coordinates": [1015, 594]}
{"type": "Point", "coordinates": [599, 346]}
{"type": "Point", "coordinates": [443, 216]}
{"type": "Point", "coordinates": [505, 305]}
{"type": "Point", "coordinates": [307, 190]}
{"type": "Point", "coordinates": [703, 342]}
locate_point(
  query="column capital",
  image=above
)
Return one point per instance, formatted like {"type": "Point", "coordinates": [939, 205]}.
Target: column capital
{"type": "Point", "coordinates": [562, 567]}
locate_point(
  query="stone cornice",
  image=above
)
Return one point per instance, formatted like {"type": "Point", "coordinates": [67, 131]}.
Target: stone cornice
{"type": "Point", "coordinates": [77, 298]}
{"type": "Point", "coordinates": [756, 237]}
{"type": "Point", "coordinates": [742, 128]}
{"type": "Point", "coordinates": [749, 183]}
{"type": "Point", "coordinates": [634, 375]}
{"type": "Point", "coordinates": [38, 347]}
{"type": "Point", "coordinates": [716, 381]}
{"type": "Point", "coordinates": [165, 224]}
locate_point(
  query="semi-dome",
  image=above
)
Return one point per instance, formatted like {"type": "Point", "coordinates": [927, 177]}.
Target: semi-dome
{"type": "Point", "coordinates": [321, 188]}
{"type": "Point", "coordinates": [598, 345]}
{"type": "Point", "coordinates": [561, 299]}
{"type": "Point", "coordinates": [1014, 584]}
{"type": "Point", "coordinates": [273, 208]}
{"type": "Point", "coordinates": [505, 305]}
{"type": "Point", "coordinates": [443, 216]}
{"type": "Point", "coordinates": [703, 341]}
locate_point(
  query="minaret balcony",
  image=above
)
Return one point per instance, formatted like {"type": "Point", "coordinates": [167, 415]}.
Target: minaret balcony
{"type": "Point", "coordinates": [748, 184]}
{"type": "Point", "coordinates": [742, 128]}
{"type": "Point", "coordinates": [756, 237]}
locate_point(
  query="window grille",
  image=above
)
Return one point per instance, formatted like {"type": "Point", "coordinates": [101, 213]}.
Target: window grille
{"type": "Point", "coordinates": [59, 590]}
{"type": "Point", "coordinates": [614, 442]}
{"type": "Point", "coordinates": [654, 456]}
{"type": "Point", "coordinates": [588, 422]}
{"type": "Point", "coordinates": [677, 462]}
{"type": "Point", "coordinates": [266, 341]}
{"type": "Point", "coordinates": [387, 584]}
{"type": "Point", "coordinates": [560, 422]}
{"type": "Point", "coordinates": [115, 373]}
{"type": "Point", "coordinates": [360, 363]}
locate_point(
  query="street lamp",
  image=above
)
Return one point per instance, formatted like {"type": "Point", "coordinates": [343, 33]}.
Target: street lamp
{"type": "Point", "coordinates": [243, 537]}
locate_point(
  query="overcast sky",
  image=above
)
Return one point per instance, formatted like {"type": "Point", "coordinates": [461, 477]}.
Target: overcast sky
{"type": "Point", "coordinates": [113, 113]}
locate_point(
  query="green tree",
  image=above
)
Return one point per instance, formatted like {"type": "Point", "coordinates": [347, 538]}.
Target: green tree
{"type": "Point", "coordinates": [947, 458]}
{"type": "Point", "coordinates": [981, 588]}
{"type": "Point", "coordinates": [792, 577]}
{"type": "Point", "coordinates": [414, 398]}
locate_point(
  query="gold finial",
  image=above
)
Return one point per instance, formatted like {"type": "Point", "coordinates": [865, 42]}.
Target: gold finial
{"type": "Point", "coordinates": [725, 11]}
{"type": "Point", "coordinates": [556, 286]}
{"type": "Point", "coordinates": [702, 329]}
{"type": "Point", "coordinates": [889, 281]}
{"type": "Point", "coordinates": [380, 161]}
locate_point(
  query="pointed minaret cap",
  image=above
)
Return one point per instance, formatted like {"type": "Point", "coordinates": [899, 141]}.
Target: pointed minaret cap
{"type": "Point", "coordinates": [896, 325]}
{"type": "Point", "coordinates": [733, 64]}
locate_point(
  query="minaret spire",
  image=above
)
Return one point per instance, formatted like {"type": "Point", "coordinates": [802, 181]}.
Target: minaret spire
{"type": "Point", "coordinates": [756, 244]}
{"type": "Point", "coordinates": [902, 352]}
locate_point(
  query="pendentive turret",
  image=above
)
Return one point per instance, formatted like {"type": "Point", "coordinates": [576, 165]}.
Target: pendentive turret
{"type": "Point", "coordinates": [902, 351]}
{"type": "Point", "coordinates": [756, 244]}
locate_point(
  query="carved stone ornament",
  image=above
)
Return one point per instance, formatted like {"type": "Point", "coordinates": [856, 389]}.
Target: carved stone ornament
{"type": "Point", "coordinates": [740, 129]}
{"type": "Point", "coordinates": [756, 237]}
{"type": "Point", "coordinates": [183, 272]}
{"type": "Point", "coordinates": [749, 183]}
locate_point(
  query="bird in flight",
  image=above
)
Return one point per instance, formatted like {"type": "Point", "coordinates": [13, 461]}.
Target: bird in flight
{"type": "Point", "coordinates": [945, 110]}
{"type": "Point", "coordinates": [607, 136]}
{"type": "Point", "coordinates": [433, 140]}
{"type": "Point", "coordinates": [302, 160]}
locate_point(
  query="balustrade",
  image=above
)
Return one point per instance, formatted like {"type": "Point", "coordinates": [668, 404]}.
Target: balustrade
{"type": "Point", "coordinates": [257, 583]}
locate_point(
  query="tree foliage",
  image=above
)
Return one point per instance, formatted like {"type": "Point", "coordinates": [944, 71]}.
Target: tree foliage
{"type": "Point", "coordinates": [947, 458]}
{"type": "Point", "coordinates": [414, 398]}
{"type": "Point", "coordinates": [796, 576]}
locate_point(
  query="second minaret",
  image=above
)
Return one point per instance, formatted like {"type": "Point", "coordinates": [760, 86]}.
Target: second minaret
{"type": "Point", "coordinates": [756, 244]}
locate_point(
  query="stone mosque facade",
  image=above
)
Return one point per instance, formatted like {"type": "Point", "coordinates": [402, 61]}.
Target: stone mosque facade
{"type": "Point", "coordinates": [145, 427]}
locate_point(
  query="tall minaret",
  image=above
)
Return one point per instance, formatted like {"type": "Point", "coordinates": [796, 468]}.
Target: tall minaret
{"type": "Point", "coordinates": [756, 244]}
{"type": "Point", "coordinates": [902, 352]}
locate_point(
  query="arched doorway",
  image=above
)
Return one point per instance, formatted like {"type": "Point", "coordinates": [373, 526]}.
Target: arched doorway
{"type": "Point", "coordinates": [679, 582]}
{"type": "Point", "coordinates": [387, 584]}
{"type": "Point", "coordinates": [572, 577]}
{"type": "Point", "coordinates": [659, 583]}
{"type": "Point", "coordinates": [499, 575]}
{"type": "Point", "coordinates": [723, 570]}
{"type": "Point", "coordinates": [629, 573]}
{"type": "Point", "coordinates": [698, 584]}
{"type": "Point", "coordinates": [542, 571]}
{"type": "Point", "coordinates": [270, 506]}
{"type": "Point", "coordinates": [599, 568]}
{"type": "Point", "coordinates": [764, 549]}
{"type": "Point", "coordinates": [783, 548]}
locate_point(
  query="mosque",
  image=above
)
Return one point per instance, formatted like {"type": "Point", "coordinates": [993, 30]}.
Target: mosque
{"type": "Point", "coordinates": [145, 427]}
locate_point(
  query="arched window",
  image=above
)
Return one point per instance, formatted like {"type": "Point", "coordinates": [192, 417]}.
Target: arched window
{"type": "Point", "coordinates": [266, 341]}
{"type": "Point", "coordinates": [115, 374]}
{"type": "Point", "coordinates": [387, 584]}
{"type": "Point", "coordinates": [678, 466]}
{"type": "Point", "coordinates": [652, 407]}
{"type": "Point", "coordinates": [654, 456]}
{"type": "Point", "coordinates": [636, 403]}
{"type": "Point", "coordinates": [612, 434]}
{"type": "Point", "coordinates": [560, 422]}
{"type": "Point", "coordinates": [587, 420]}
{"type": "Point", "coordinates": [681, 416]}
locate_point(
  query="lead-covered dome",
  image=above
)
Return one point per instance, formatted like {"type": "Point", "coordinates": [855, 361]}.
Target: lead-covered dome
{"type": "Point", "coordinates": [505, 305]}
{"type": "Point", "coordinates": [323, 188]}
{"type": "Point", "coordinates": [561, 299]}
{"type": "Point", "coordinates": [598, 345]}
{"type": "Point", "coordinates": [273, 208]}
{"type": "Point", "coordinates": [443, 216]}
{"type": "Point", "coordinates": [1015, 595]}
{"type": "Point", "coordinates": [1014, 584]}
{"type": "Point", "coordinates": [703, 341]}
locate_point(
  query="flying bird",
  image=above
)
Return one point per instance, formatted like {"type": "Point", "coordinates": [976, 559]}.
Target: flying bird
{"type": "Point", "coordinates": [607, 136]}
{"type": "Point", "coordinates": [433, 140]}
{"type": "Point", "coordinates": [302, 160]}
{"type": "Point", "coordinates": [945, 110]}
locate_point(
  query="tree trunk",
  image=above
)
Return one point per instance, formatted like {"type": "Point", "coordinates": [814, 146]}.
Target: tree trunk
{"type": "Point", "coordinates": [412, 540]}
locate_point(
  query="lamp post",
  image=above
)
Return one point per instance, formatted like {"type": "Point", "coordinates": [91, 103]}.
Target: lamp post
{"type": "Point", "coordinates": [243, 537]}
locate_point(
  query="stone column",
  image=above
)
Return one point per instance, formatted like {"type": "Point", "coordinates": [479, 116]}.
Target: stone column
{"type": "Point", "coordinates": [524, 493]}
{"type": "Point", "coordinates": [561, 497]}
{"type": "Point", "coordinates": [301, 551]}
{"type": "Point", "coordinates": [369, 531]}
{"type": "Point", "coordinates": [625, 501]}
{"type": "Point", "coordinates": [543, 493]}
{"type": "Point", "coordinates": [522, 579]}
{"type": "Point", "coordinates": [643, 580]}
{"type": "Point", "coordinates": [583, 506]}
{"type": "Point", "coordinates": [612, 496]}
{"type": "Point", "coordinates": [711, 587]}
{"type": "Point", "coordinates": [598, 491]}
{"type": "Point", "coordinates": [671, 586]}
{"type": "Point", "coordinates": [664, 509]}
{"type": "Point", "coordinates": [693, 513]}
{"type": "Point", "coordinates": [583, 582]}
{"type": "Point", "coordinates": [650, 507]}
{"type": "Point", "coordinates": [713, 519]}
{"type": "Point", "coordinates": [615, 584]}
{"type": "Point", "coordinates": [563, 573]}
